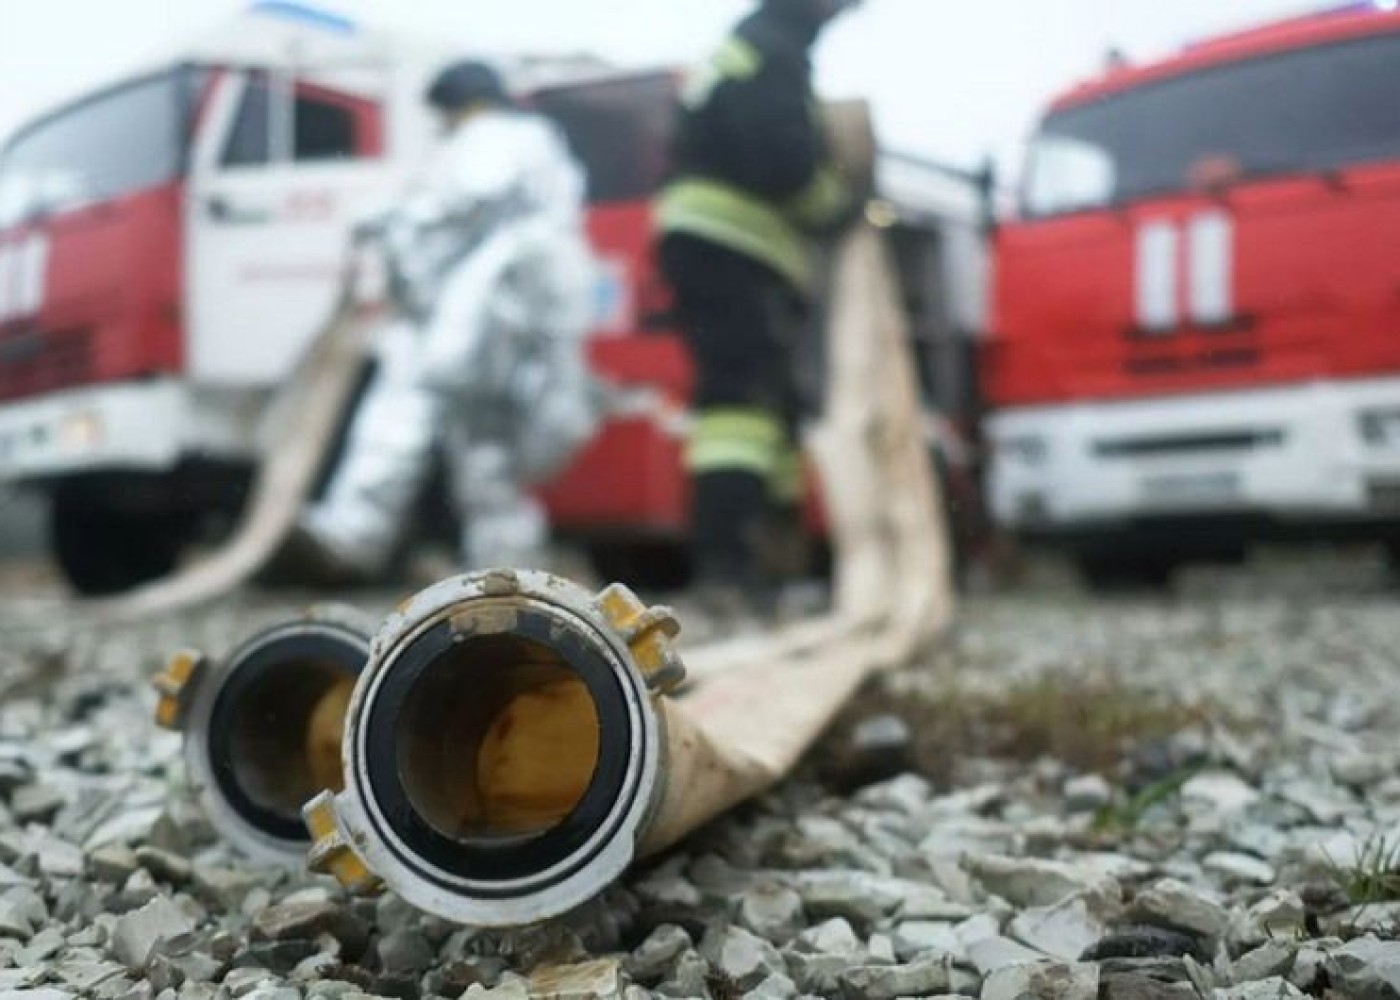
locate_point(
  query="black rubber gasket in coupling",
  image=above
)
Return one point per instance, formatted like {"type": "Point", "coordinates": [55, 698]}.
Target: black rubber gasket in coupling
{"type": "Point", "coordinates": [509, 861]}
{"type": "Point", "coordinates": [272, 652]}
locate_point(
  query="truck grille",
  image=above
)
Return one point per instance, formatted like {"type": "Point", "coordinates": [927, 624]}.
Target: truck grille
{"type": "Point", "coordinates": [1147, 447]}
{"type": "Point", "coordinates": [35, 361]}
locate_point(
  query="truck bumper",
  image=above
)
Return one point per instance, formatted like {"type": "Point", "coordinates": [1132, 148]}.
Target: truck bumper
{"type": "Point", "coordinates": [1322, 452]}
{"type": "Point", "coordinates": [145, 427]}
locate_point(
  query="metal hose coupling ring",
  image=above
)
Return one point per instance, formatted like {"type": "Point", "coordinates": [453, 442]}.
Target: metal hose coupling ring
{"type": "Point", "coordinates": [262, 727]}
{"type": "Point", "coordinates": [502, 750]}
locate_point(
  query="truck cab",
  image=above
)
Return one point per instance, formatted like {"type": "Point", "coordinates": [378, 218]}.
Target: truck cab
{"type": "Point", "coordinates": [1196, 340]}
{"type": "Point", "coordinates": [170, 244]}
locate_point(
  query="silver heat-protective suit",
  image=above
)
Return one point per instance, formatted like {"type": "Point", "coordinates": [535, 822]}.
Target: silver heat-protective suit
{"type": "Point", "coordinates": [493, 286]}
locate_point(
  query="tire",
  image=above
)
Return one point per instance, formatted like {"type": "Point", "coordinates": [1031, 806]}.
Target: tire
{"type": "Point", "coordinates": [647, 566]}
{"type": "Point", "coordinates": [1125, 573]}
{"type": "Point", "coordinates": [103, 549]}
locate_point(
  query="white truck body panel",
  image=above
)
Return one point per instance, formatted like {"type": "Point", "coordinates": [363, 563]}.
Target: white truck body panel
{"type": "Point", "coordinates": [1295, 452]}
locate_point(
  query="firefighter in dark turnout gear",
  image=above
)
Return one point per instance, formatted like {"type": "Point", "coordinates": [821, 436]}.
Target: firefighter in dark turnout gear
{"type": "Point", "coordinates": [752, 183]}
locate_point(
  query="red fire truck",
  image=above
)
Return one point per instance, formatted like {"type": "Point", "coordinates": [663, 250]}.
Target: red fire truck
{"type": "Point", "coordinates": [1196, 331]}
{"type": "Point", "coordinates": [170, 244]}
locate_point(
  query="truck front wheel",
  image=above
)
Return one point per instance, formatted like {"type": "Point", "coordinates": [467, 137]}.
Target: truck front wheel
{"type": "Point", "coordinates": [103, 548]}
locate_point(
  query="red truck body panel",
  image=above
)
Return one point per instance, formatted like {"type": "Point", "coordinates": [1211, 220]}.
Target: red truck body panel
{"type": "Point", "coordinates": [1314, 266]}
{"type": "Point", "coordinates": [110, 309]}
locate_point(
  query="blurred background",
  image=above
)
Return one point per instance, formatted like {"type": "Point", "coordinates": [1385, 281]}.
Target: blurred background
{"type": "Point", "coordinates": [1143, 246]}
{"type": "Point", "coordinates": [957, 84]}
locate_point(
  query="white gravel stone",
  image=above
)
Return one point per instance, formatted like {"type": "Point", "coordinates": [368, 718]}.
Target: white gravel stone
{"type": "Point", "coordinates": [775, 987]}
{"type": "Point", "coordinates": [1032, 882]}
{"type": "Point", "coordinates": [743, 958]}
{"type": "Point", "coordinates": [1233, 867]}
{"type": "Point", "coordinates": [516, 989]}
{"type": "Point", "coordinates": [890, 982]}
{"type": "Point", "coordinates": [1043, 981]}
{"type": "Point", "coordinates": [914, 938]}
{"type": "Point", "coordinates": [136, 934]}
{"type": "Point", "coordinates": [1267, 989]}
{"type": "Point", "coordinates": [596, 980]}
{"type": "Point", "coordinates": [1087, 793]}
{"type": "Point", "coordinates": [1064, 931]}
{"type": "Point", "coordinates": [831, 937]}
{"type": "Point", "coordinates": [1271, 960]}
{"type": "Point", "coordinates": [1171, 903]}
{"type": "Point", "coordinates": [658, 953]}
{"type": "Point", "coordinates": [773, 912]}
{"type": "Point", "coordinates": [1219, 792]}
{"type": "Point", "coordinates": [15, 921]}
{"type": "Point", "coordinates": [1366, 969]}
{"type": "Point", "coordinates": [1280, 914]}
{"type": "Point", "coordinates": [38, 802]}
{"type": "Point", "coordinates": [993, 954]}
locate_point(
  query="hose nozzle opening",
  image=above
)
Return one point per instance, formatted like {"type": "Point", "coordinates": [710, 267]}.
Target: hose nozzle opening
{"type": "Point", "coordinates": [502, 748]}
{"type": "Point", "coordinates": [279, 735]}
{"type": "Point", "coordinates": [264, 728]}
{"type": "Point", "coordinates": [498, 741]}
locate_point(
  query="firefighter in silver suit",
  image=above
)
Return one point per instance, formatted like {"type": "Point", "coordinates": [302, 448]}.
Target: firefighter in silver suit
{"type": "Point", "coordinates": [492, 280]}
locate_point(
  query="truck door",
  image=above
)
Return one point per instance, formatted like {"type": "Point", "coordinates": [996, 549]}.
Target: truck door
{"type": "Point", "coordinates": [283, 166]}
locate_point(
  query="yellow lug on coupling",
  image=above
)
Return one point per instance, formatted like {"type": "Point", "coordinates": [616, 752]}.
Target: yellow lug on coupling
{"type": "Point", "coordinates": [331, 854]}
{"type": "Point", "coordinates": [649, 634]}
{"type": "Point", "coordinates": [176, 685]}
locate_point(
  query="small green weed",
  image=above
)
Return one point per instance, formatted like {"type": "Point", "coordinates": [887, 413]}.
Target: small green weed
{"type": "Point", "coordinates": [1120, 817]}
{"type": "Point", "coordinates": [1375, 875]}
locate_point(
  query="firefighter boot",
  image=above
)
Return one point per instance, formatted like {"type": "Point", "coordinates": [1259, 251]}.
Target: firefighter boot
{"type": "Point", "coordinates": [731, 513]}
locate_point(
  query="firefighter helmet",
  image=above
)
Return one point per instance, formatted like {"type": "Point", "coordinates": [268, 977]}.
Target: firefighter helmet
{"type": "Point", "coordinates": [466, 83]}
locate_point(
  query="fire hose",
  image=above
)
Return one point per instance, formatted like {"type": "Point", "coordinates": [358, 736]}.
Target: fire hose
{"type": "Point", "coordinates": [514, 743]}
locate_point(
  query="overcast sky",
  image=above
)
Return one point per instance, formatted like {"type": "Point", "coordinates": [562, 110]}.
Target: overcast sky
{"type": "Point", "coordinates": [954, 81]}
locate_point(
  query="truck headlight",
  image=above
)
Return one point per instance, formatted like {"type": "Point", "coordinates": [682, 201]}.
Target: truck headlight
{"type": "Point", "coordinates": [263, 727]}
{"type": "Point", "coordinates": [1380, 428]}
{"type": "Point", "coordinates": [81, 432]}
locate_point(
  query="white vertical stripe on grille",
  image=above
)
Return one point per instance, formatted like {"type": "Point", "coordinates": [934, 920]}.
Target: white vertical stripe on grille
{"type": "Point", "coordinates": [33, 274]}
{"type": "Point", "coordinates": [6, 294]}
{"type": "Point", "coordinates": [1156, 277]}
{"type": "Point", "coordinates": [9, 258]}
{"type": "Point", "coordinates": [1212, 238]}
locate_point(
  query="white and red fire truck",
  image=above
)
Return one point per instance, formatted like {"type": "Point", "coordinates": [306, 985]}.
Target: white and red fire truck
{"type": "Point", "coordinates": [1196, 331]}
{"type": "Point", "coordinates": [170, 244]}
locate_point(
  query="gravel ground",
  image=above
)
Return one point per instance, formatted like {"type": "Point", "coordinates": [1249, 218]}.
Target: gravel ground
{"type": "Point", "coordinates": [1136, 798]}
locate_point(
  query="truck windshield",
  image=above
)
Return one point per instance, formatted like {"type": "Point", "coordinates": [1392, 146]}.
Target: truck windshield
{"type": "Point", "coordinates": [1312, 110]}
{"type": "Point", "coordinates": [119, 142]}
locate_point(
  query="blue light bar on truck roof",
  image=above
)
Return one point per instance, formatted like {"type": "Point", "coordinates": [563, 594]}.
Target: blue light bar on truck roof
{"type": "Point", "coordinates": [307, 15]}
